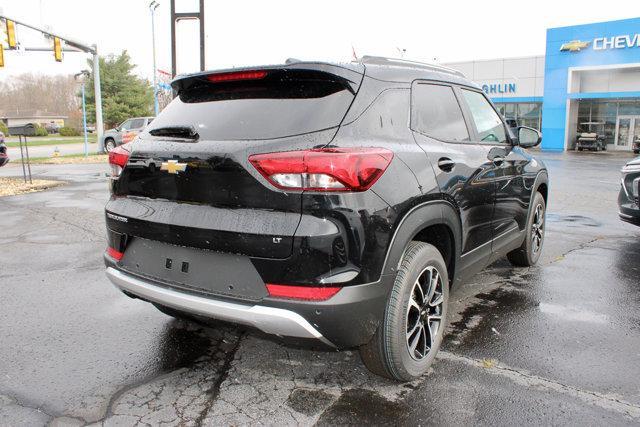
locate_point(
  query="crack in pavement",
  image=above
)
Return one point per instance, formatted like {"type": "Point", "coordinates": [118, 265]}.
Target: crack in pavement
{"type": "Point", "coordinates": [580, 247]}
{"type": "Point", "coordinates": [214, 391]}
{"type": "Point", "coordinates": [15, 412]}
{"type": "Point", "coordinates": [181, 396]}
{"type": "Point", "coordinates": [261, 391]}
{"type": "Point", "coordinates": [521, 377]}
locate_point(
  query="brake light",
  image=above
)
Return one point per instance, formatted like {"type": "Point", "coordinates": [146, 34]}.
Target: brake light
{"type": "Point", "coordinates": [309, 293]}
{"type": "Point", "coordinates": [235, 76]}
{"type": "Point", "coordinates": [118, 158]}
{"type": "Point", "coordinates": [117, 255]}
{"type": "Point", "coordinates": [324, 169]}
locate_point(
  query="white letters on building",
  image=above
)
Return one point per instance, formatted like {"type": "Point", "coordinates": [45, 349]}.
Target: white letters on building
{"type": "Point", "coordinates": [617, 42]}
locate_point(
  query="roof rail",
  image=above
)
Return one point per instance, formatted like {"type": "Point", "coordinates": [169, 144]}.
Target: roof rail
{"type": "Point", "coordinates": [381, 60]}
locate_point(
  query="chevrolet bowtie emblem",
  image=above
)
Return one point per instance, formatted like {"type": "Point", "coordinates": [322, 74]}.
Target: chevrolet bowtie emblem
{"type": "Point", "coordinates": [573, 46]}
{"type": "Point", "coordinates": [172, 166]}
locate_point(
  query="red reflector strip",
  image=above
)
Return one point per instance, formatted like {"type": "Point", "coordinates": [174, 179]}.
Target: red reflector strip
{"type": "Point", "coordinates": [115, 254]}
{"type": "Point", "coordinates": [235, 76]}
{"type": "Point", "coordinates": [310, 293]}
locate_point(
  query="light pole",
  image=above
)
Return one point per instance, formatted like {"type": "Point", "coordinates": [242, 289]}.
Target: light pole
{"type": "Point", "coordinates": [83, 75]}
{"type": "Point", "coordinates": [152, 7]}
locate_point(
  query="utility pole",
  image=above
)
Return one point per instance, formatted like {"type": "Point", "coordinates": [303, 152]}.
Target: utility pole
{"type": "Point", "coordinates": [75, 46]}
{"type": "Point", "coordinates": [152, 7]}
{"type": "Point", "coordinates": [98, 95]}
{"type": "Point", "coordinates": [83, 75]}
{"type": "Point", "coordinates": [178, 16]}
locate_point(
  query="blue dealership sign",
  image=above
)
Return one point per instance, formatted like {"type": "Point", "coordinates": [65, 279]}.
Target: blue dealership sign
{"type": "Point", "coordinates": [591, 45]}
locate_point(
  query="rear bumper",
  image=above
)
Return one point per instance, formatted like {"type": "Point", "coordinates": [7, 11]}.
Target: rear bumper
{"type": "Point", "coordinates": [270, 320]}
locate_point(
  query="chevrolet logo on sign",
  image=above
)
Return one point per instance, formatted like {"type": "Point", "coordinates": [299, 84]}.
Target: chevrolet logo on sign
{"type": "Point", "coordinates": [173, 167]}
{"type": "Point", "coordinates": [574, 46]}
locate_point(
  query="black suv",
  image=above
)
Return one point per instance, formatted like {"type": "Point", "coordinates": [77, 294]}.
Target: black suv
{"type": "Point", "coordinates": [334, 202]}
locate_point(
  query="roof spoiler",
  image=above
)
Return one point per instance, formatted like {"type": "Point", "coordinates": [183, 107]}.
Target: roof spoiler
{"type": "Point", "coordinates": [347, 72]}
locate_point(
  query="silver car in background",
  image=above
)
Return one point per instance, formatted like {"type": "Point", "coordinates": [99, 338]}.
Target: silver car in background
{"type": "Point", "coordinates": [124, 132]}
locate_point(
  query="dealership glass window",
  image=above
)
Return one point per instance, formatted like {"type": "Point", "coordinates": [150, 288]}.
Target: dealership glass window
{"type": "Point", "coordinates": [603, 114]}
{"type": "Point", "coordinates": [629, 108]}
{"type": "Point", "coordinates": [529, 114]}
{"type": "Point", "coordinates": [524, 113]}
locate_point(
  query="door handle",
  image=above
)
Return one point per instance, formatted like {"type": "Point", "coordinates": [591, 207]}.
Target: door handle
{"type": "Point", "coordinates": [446, 164]}
{"type": "Point", "coordinates": [497, 160]}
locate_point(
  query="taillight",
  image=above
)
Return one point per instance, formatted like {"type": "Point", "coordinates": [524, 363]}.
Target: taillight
{"type": "Point", "coordinates": [324, 169]}
{"type": "Point", "coordinates": [308, 293]}
{"type": "Point", "coordinates": [118, 158]}
{"type": "Point", "coordinates": [236, 75]}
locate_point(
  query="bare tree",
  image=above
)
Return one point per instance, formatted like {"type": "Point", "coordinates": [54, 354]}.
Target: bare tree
{"type": "Point", "coordinates": [37, 93]}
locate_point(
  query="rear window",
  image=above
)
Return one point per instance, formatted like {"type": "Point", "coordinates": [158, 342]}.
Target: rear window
{"type": "Point", "coordinates": [282, 103]}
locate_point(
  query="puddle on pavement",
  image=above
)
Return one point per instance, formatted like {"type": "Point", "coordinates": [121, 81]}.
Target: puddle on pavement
{"type": "Point", "coordinates": [498, 302]}
{"type": "Point", "coordinates": [181, 346]}
{"type": "Point", "coordinates": [363, 407]}
{"type": "Point", "coordinates": [573, 314]}
{"type": "Point", "coordinates": [309, 402]}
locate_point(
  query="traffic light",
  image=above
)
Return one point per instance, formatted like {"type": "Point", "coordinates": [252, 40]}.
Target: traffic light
{"type": "Point", "coordinates": [11, 34]}
{"type": "Point", "coordinates": [1, 55]}
{"type": "Point", "coordinates": [57, 49]}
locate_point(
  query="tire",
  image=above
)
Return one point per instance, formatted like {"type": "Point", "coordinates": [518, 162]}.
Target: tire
{"type": "Point", "coordinates": [388, 354]}
{"type": "Point", "coordinates": [109, 144]}
{"type": "Point", "coordinates": [529, 253]}
{"type": "Point", "coordinates": [579, 148]}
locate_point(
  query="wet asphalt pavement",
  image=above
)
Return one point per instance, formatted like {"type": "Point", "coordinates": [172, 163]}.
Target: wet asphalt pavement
{"type": "Point", "coordinates": [558, 343]}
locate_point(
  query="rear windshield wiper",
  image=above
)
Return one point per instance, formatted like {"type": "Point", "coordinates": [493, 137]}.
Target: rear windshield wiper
{"type": "Point", "coordinates": [181, 132]}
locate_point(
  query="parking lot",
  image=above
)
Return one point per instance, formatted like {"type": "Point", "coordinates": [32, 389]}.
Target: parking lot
{"type": "Point", "coordinates": [555, 344]}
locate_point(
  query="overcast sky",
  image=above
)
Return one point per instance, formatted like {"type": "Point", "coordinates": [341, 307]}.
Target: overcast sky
{"type": "Point", "coordinates": [249, 32]}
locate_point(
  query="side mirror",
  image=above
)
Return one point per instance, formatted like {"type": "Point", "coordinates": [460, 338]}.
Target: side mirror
{"type": "Point", "coordinates": [528, 137]}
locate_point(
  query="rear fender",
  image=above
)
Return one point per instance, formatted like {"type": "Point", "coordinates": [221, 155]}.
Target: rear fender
{"type": "Point", "coordinates": [418, 218]}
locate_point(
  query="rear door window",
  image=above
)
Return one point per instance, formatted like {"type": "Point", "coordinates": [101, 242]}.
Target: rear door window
{"type": "Point", "coordinates": [136, 124]}
{"type": "Point", "coordinates": [489, 126]}
{"type": "Point", "coordinates": [281, 103]}
{"type": "Point", "coordinates": [436, 113]}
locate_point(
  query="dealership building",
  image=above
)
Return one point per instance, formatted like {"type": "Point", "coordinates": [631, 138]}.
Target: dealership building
{"type": "Point", "coordinates": [587, 81]}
